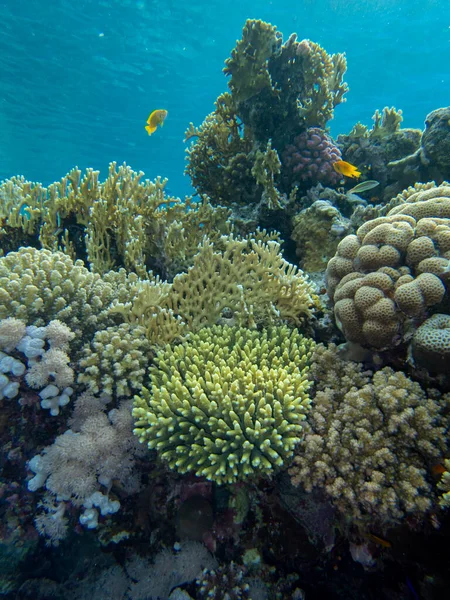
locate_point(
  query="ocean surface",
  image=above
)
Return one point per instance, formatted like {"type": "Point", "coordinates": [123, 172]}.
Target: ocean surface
{"type": "Point", "coordinates": [79, 79]}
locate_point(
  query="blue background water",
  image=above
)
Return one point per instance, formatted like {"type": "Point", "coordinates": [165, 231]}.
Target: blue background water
{"type": "Point", "coordinates": [79, 78]}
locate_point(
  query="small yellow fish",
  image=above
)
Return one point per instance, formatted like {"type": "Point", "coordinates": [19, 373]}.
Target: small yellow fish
{"type": "Point", "coordinates": [346, 169]}
{"type": "Point", "coordinates": [378, 540]}
{"type": "Point", "coordinates": [156, 118]}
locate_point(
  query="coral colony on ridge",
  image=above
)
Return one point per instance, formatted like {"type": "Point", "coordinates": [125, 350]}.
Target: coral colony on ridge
{"type": "Point", "coordinates": [242, 394]}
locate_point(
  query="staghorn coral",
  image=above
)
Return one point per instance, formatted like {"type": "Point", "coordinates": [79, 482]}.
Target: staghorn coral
{"type": "Point", "coordinates": [248, 283]}
{"type": "Point", "coordinates": [369, 442]}
{"type": "Point", "coordinates": [227, 403]}
{"type": "Point", "coordinates": [383, 279]}
{"type": "Point", "coordinates": [116, 360]}
{"type": "Point", "coordinates": [124, 221]}
{"type": "Point", "coordinates": [309, 159]}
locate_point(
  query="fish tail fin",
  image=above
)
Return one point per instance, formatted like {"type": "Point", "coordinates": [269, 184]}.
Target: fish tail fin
{"type": "Point", "coordinates": [149, 129]}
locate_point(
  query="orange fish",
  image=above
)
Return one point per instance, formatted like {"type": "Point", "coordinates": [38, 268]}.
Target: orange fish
{"type": "Point", "coordinates": [156, 118]}
{"type": "Point", "coordinates": [379, 540]}
{"type": "Point", "coordinates": [344, 168]}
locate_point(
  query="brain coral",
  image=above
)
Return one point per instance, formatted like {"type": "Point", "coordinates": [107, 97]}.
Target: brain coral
{"type": "Point", "coordinates": [384, 278]}
{"type": "Point", "coordinates": [228, 402]}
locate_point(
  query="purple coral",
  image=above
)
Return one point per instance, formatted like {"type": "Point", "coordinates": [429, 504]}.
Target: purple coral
{"type": "Point", "coordinates": [309, 159]}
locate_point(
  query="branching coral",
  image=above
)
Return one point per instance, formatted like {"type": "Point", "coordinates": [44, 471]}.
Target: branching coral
{"type": "Point", "coordinates": [116, 360]}
{"type": "Point", "coordinates": [370, 443]}
{"type": "Point", "coordinates": [247, 282]}
{"type": "Point", "coordinates": [384, 278]}
{"type": "Point", "coordinates": [124, 221]}
{"type": "Point", "coordinates": [38, 285]}
{"type": "Point", "coordinates": [277, 91]}
{"type": "Point", "coordinates": [227, 403]}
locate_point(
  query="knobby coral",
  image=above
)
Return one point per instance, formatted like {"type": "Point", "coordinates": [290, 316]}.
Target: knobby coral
{"type": "Point", "coordinates": [370, 442]}
{"type": "Point", "coordinates": [227, 403]}
{"type": "Point", "coordinates": [383, 279]}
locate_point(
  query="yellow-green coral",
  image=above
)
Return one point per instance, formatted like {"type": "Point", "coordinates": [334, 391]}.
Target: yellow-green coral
{"type": "Point", "coordinates": [37, 286]}
{"type": "Point", "coordinates": [247, 282]}
{"type": "Point", "coordinates": [228, 402]}
{"type": "Point", "coordinates": [369, 442]}
{"type": "Point", "coordinates": [124, 221]}
{"type": "Point", "coordinates": [444, 485]}
{"type": "Point", "coordinates": [116, 360]}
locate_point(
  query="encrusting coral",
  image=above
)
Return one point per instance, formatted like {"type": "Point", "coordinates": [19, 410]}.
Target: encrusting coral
{"type": "Point", "coordinates": [370, 441]}
{"type": "Point", "coordinates": [383, 280]}
{"type": "Point", "coordinates": [227, 403]}
{"type": "Point", "coordinates": [430, 346]}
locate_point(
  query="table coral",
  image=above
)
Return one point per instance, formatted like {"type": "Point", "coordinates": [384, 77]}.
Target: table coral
{"type": "Point", "coordinates": [370, 442]}
{"type": "Point", "coordinates": [385, 278]}
{"type": "Point", "coordinates": [228, 402]}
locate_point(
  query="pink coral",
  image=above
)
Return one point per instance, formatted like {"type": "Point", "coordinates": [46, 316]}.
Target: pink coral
{"type": "Point", "coordinates": [309, 159]}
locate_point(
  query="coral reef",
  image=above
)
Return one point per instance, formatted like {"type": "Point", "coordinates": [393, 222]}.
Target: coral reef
{"type": "Point", "coordinates": [430, 346]}
{"type": "Point", "coordinates": [227, 403]}
{"type": "Point", "coordinates": [246, 283]}
{"type": "Point", "coordinates": [369, 442]}
{"type": "Point", "coordinates": [376, 150]}
{"type": "Point", "coordinates": [82, 465]}
{"type": "Point", "coordinates": [309, 159]}
{"type": "Point", "coordinates": [430, 161]}
{"type": "Point", "coordinates": [38, 285]}
{"type": "Point", "coordinates": [278, 91]}
{"type": "Point", "coordinates": [383, 280]}
{"type": "Point", "coordinates": [316, 232]}
{"type": "Point", "coordinates": [123, 221]}
{"type": "Point", "coordinates": [36, 358]}
{"type": "Point", "coordinates": [115, 361]}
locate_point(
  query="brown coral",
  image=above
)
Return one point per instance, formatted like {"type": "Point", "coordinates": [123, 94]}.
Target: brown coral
{"type": "Point", "coordinates": [393, 269]}
{"type": "Point", "coordinates": [371, 440]}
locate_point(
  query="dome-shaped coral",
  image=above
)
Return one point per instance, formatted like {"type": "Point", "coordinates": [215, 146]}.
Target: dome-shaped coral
{"type": "Point", "coordinates": [383, 279]}
{"type": "Point", "coordinates": [228, 402]}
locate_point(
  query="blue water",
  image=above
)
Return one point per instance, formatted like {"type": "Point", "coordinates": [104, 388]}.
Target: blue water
{"type": "Point", "coordinates": [79, 78]}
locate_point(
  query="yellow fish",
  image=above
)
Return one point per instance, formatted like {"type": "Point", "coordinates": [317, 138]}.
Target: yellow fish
{"type": "Point", "coordinates": [156, 118]}
{"type": "Point", "coordinates": [346, 169]}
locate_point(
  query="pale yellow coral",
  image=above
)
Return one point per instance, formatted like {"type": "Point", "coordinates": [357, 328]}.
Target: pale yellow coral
{"type": "Point", "coordinates": [370, 441]}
